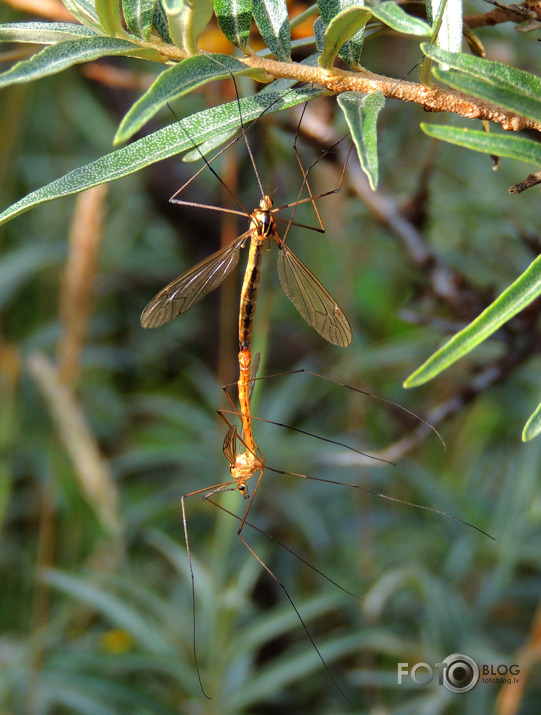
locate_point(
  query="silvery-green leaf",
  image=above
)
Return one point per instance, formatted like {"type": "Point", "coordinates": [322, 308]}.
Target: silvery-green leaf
{"type": "Point", "coordinates": [175, 82]}
{"type": "Point", "coordinates": [85, 12]}
{"type": "Point", "coordinates": [186, 21]}
{"type": "Point", "coordinates": [319, 34]}
{"type": "Point", "coordinates": [361, 112]}
{"type": "Point", "coordinates": [533, 426]}
{"type": "Point", "coordinates": [43, 33]}
{"type": "Point", "coordinates": [511, 88]}
{"type": "Point", "coordinates": [515, 298]}
{"type": "Point", "coordinates": [351, 49]}
{"type": "Point", "coordinates": [162, 144]}
{"type": "Point", "coordinates": [110, 17]}
{"type": "Point", "coordinates": [234, 18]}
{"type": "Point", "coordinates": [139, 15]}
{"type": "Point", "coordinates": [160, 23]}
{"type": "Point", "coordinates": [340, 29]}
{"type": "Point", "coordinates": [272, 19]}
{"type": "Point", "coordinates": [65, 54]}
{"type": "Point", "coordinates": [398, 19]}
{"type": "Point", "coordinates": [508, 145]}
{"type": "Point", "coordinates": [447, 26]}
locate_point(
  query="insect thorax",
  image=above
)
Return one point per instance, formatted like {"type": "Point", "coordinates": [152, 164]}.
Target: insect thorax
{"type": "Point", "coordinates": [262, 218]}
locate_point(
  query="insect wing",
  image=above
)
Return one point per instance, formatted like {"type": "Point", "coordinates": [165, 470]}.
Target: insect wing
{"type": "Point", "coordinates": [253, 373]}
{"type": "Point", "coordinates": [189, 288]}
{"type": "Point", "coordinates": [230, 444]}
{"type": "Point", "coordinates": [311, 299]}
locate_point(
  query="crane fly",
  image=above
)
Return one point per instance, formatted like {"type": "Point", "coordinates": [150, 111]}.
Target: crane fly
{"type": "Point", "coordinates": [308, 295]}
{"type": "Point", "coordinates": [305, 291]}
{"type": "Point", "coordinates": [247, 463]}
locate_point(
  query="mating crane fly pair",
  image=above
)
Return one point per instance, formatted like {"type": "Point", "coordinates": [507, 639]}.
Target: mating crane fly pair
{"type": "Point", "coordinates": [315, 305]}
{"type": "Point", "coordinates": [305, 291]}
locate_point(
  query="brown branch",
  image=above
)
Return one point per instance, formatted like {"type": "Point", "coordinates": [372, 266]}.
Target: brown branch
{"type": "Point", "coordinates": [529, 181]}
{"type": "Point", "coordinates": [433, 99]}
{"type": "Point", "coordinates": [530, 9]}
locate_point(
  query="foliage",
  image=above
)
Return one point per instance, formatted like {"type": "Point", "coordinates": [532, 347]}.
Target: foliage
{"type": "Point", "coordinates": [101, 437]}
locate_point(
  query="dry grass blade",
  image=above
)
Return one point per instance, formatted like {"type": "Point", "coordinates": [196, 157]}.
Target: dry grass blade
{"type": "Point", "coordinates": [76, 298]}
{"type": "Point", "coordinates": [92, 471]}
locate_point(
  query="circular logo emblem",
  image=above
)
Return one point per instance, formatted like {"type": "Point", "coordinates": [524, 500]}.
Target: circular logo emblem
{"type": "Point", "coordinates": [461, 674]}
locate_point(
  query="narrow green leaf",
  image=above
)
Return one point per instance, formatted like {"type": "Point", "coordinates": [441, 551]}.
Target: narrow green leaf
{"type": "Point", "coordinates": [361, 112]}
{"type": "Point", "coordinates": [447, 32]}
{"type": "Point", "coordinates": [533, 426]}
{"type": "Point", "coordinates": [187, 19]}
{"type": "Point", "coordinates": [508, 145]}
{"type": "Point", "coordinates": [398, 19]}
{"type": "Point", "coordinates": [340, 29]}
{"type": "Point", "coordinates": [175, 82]}
{"type": "Point", "coordinates": [109, 14]}
{"type": "Point", "coordinates": [111, 607]}
{"type": "Point", "coordinates": [319, 34]}
{"type": "Point", "coordinates": [139, 15]}
{"type": "Point", "coordinates": [351, 50]}
{"type": "Point", "coordinates": [272, 20]}
{"type": "Point", "coordinates": [176, 22]}
{"type": "Point", "coordinates": [85, 12]}
{"type": "Point", "coordinates": [495, 72]}
{"type": "Point", "coordinates": [63, 55]}
{"type": "Point", "coordinates": [513, 89]}
{"type": "Point", "coordinates": [160, 23]}
{"type": "Point", "coordinates": [352, 19]}
{"type": "Point", "coordinates": [209, 146]}
{"type": "Point", "coordinates": [234, 18]}
{"type": "Point", "coordinates": [516, 297]}
{"type": "Point", "coordinates": [201, 12]}
{"type": "Point", "coordinates": [162, 144]}
{"type": "Point", "coordinates": [43, 33]}
{"type": "Point", "coordinates": [512, 98]}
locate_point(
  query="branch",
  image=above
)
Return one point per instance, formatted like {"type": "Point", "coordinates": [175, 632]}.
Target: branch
{"type": "Point", "coordinates": [433, 99]}
{"type": "Point", "coordinates": [505, 13]}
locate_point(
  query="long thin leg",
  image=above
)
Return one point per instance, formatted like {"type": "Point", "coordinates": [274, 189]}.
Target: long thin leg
{"type": "Point", "coordinates": [395, 405]}
{"type": "Point", "coordinates": [194, 614]}
{"type": "Point", "coordinates": [286, 547]}
{"type": "Point", "coordinates": [286, 592]}
{"type": "Point", "coordinates": [386, 497]}
{"type": "Point", "coordinates": [282, 586]}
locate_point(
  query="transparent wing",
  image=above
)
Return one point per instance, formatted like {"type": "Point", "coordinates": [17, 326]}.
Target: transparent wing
{"type": "Point", "coordinates": [311, 299]}
{"type": "Point", "coordinates": [253, 373]}
{"type": "Point", "coordinates": [189, 288]}
{"type": "Point", "coordinates": [230, 444]}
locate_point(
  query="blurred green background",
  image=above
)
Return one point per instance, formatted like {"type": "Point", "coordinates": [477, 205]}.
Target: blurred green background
{"type": "Point", "coordinates": [96, 592]}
